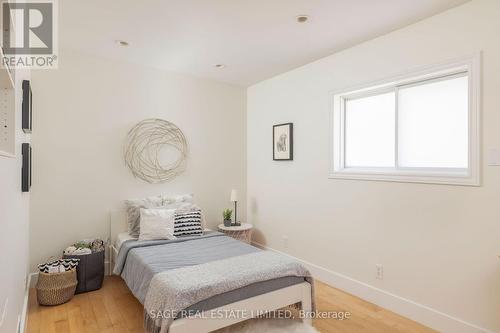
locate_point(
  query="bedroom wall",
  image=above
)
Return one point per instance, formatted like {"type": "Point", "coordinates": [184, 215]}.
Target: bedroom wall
{"type": "Point", "coordinates": [14, 221]}
{"type": "Point", "coordinates": [438, 243]}
{"type": "Point", "coordinates": [82, 113]}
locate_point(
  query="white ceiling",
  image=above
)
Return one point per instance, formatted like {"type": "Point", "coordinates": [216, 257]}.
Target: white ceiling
{"type": "Point", "coordinates": [255, 39]}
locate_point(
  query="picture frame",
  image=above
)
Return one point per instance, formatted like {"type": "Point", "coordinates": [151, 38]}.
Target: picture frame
{"type": "Point", "coordinates": [26, 168]}
{"type": "Point", "coordinates": [27, 107]}
{"type": "Point", "coordinates": [283, 142]}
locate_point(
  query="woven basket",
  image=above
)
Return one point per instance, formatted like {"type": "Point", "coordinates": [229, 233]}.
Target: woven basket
{"type": "Point", "coordinates": [55, 288]}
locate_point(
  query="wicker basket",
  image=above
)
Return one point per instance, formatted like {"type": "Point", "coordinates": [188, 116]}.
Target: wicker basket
{"type": "Point", "coordinates": [55, 288]}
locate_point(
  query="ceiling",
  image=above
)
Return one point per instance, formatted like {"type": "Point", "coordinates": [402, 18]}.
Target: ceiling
{"type": "Point", "coordinates": [254, 39]}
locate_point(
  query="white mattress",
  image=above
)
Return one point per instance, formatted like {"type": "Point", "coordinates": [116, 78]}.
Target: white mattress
{"type": "Point", "coordinates": [121, 238]}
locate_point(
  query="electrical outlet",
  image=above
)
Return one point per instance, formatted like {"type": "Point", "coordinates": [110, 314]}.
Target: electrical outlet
{"type": "Point", "coordinates": [285, 242]}
{"type": "Point", "coordinates": [379, 271]}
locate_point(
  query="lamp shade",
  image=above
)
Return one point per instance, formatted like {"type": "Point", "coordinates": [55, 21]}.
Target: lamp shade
{"type": "Point", "coordinates": [234, 195]}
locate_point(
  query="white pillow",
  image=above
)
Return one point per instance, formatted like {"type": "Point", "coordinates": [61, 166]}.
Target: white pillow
{"type": "Point", "coordinates": [133, 208]}
{"type": "Point", "coordinates": [172, 199]}
{"type": "Point", "coordinates": [157, 224]}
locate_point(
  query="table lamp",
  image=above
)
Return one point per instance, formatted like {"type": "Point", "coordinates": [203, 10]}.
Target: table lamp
{"type": "Point", "coordinates": [234, 198]}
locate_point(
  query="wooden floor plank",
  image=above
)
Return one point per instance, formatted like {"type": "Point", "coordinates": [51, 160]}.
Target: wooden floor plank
{"type": "Point", "coordinates": [33, 325]}
{"type": "Point", "coordinates": [113, 309]}
{"type": "Point", "coordinates": [62, 326]}
{"type": "Point", "coordinates": [100, 311]}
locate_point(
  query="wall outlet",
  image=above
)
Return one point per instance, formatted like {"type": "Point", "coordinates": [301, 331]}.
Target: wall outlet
{"type": "Point", "coordinates": [285, 242]}
{"type": "Point", "coordinates": [379, 271]}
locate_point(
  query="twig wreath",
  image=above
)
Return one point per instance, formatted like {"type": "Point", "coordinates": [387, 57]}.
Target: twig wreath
{"type": "Point", "coordinates": [143, 145]}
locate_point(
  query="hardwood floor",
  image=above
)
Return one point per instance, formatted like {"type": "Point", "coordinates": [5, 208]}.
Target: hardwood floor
{"type": "Point", "coordinates": [114, 309]}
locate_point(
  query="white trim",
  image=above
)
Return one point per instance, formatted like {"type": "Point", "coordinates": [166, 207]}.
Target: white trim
{"type": "Point", "coordinates": [21, 325]}
{"type": "Point", "coordinates": [418, 312]}
{"type": "Point", "coordinates": [107, 267]}
{"type": "Point", "coordinates": [30, 283]}
{"type": "Point", "coordinates": [470, 176]}
{"type": "Point", "coordinates": [32, 280]}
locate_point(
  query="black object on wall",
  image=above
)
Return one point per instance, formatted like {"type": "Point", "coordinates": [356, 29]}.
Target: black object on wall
{"type": "Point", "coordinates": [26, 169]}
{"type": "Point", "coordinates": [27, 107]}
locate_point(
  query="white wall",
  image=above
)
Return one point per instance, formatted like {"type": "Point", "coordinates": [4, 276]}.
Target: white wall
{"type": "Point", "coordinates": [82, 112]}
{"type": "Point", "coordinates": [14, 223]}
{"type": "Point", "coordinates": [438, 243]}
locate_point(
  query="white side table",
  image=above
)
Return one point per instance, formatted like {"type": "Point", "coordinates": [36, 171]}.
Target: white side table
{"type": "Point", "coordinates": [242, 232]}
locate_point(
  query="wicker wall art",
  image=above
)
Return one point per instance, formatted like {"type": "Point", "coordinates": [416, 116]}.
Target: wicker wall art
{"type": "Point", "coordinates": [143, 147]}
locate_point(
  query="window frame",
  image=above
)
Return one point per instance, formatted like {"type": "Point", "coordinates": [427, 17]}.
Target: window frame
{"type": "Point", "coordinates": [470, 67]}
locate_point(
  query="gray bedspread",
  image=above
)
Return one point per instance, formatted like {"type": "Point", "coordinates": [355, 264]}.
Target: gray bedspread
{"type": "Point", "coordinates": [172, 291]}
{"type": "Point", "coordinates": [139, 261]}
{"type": "Point", "coordinates": [129, 245]}
{"type": "Point", "coordinates": [143, 262]}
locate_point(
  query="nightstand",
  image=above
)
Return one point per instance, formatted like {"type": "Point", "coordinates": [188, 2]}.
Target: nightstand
{"type": "Point", "coordinates": [242, 232]}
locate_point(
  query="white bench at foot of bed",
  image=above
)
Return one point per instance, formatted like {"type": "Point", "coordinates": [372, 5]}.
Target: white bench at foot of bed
{"type": "Point", "coordinates": [259, 304]}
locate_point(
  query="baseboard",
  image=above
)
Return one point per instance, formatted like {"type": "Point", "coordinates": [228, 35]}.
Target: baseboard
{"type": "Point", "coordinates": [30, 283]}
{"type": "Point", "coordinates": [418, 312]}
{"type": "Point", "coordinates": [32, 280]}
{"type": "Point", "coordinates": [107, 268]}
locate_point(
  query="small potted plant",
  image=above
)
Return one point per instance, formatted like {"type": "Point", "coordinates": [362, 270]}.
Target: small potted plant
{"type": "Point", "coordinates": [226, 214]}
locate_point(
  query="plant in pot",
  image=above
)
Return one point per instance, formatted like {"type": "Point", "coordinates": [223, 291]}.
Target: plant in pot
{"type": "Point", "coordinates": [226, 214]}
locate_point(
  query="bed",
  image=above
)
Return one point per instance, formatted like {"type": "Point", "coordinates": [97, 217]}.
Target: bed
{"type": "Point", "coordinates": [138, 263]}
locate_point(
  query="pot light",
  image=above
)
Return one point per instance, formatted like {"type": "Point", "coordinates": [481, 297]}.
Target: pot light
{"type": "Point", "coordinates": [121, 42]}
{"type": "Point", "coordinates": [302, 18]}
{"type": "Point", "coordinates": [220, 66]}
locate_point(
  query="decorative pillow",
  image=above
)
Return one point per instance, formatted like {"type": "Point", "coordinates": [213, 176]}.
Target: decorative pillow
{"type": "Point", "coordinates": [172, 199]}
{"type": "Point", "coordinates": [157, 224]}
{"type": "Point", "coordinates": [59, 266]}
{"type": "Point", "coordinates": [188, 223]}
{"type": "Point", "coordinates": [133, 207]}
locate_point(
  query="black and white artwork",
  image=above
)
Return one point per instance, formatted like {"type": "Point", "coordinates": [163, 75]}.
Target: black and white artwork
{"type": "Point", "coordinates": [283, 142]}
{"type": "Point", "coordinates": [26, 168]}
{"type": "Point", "coordinates": [27, 120]}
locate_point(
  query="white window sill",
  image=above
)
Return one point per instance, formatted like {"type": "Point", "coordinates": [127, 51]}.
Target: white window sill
{"type": "Point", "coordinates": [403, 176]}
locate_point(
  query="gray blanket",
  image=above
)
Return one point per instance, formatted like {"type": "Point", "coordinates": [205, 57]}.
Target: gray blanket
{"type": "Point", "coordinates": [134, 244]}
{"type": "Point", "coordinates": [138, 262]}
{"type": "Point", "coordinates": [172, 291]}
{"type": "Point", "coordinates": [146, 259]}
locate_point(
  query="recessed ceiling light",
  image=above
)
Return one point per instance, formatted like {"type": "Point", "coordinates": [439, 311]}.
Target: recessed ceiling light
{"type": "Point", "coordinates": [302, 18]}
{"type": "Point", "coordinates": [121, 42]}
{"type": "Point", "coordinates": [220, 66]}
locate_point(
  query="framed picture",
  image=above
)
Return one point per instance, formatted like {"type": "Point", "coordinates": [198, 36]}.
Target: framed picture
{"type": "Point", "coordinates": [283, 142]}
{"type": "Point", "coordinates": [26, 169]}
{"type": "Point", "coordinates": [27, 120]}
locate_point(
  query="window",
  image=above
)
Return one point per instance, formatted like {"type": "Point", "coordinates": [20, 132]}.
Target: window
{"type": "Point", "coordinates": [420, 128]}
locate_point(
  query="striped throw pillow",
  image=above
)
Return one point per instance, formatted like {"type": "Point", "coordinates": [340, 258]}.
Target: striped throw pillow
{"type": "Point", "coordinates": [188, 223]}
{"type": "Point", "coordinates": [53, 266]}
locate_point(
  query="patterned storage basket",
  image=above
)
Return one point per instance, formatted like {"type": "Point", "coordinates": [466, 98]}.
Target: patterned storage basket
{"type": "Point", "coordinates": [56, 288]}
